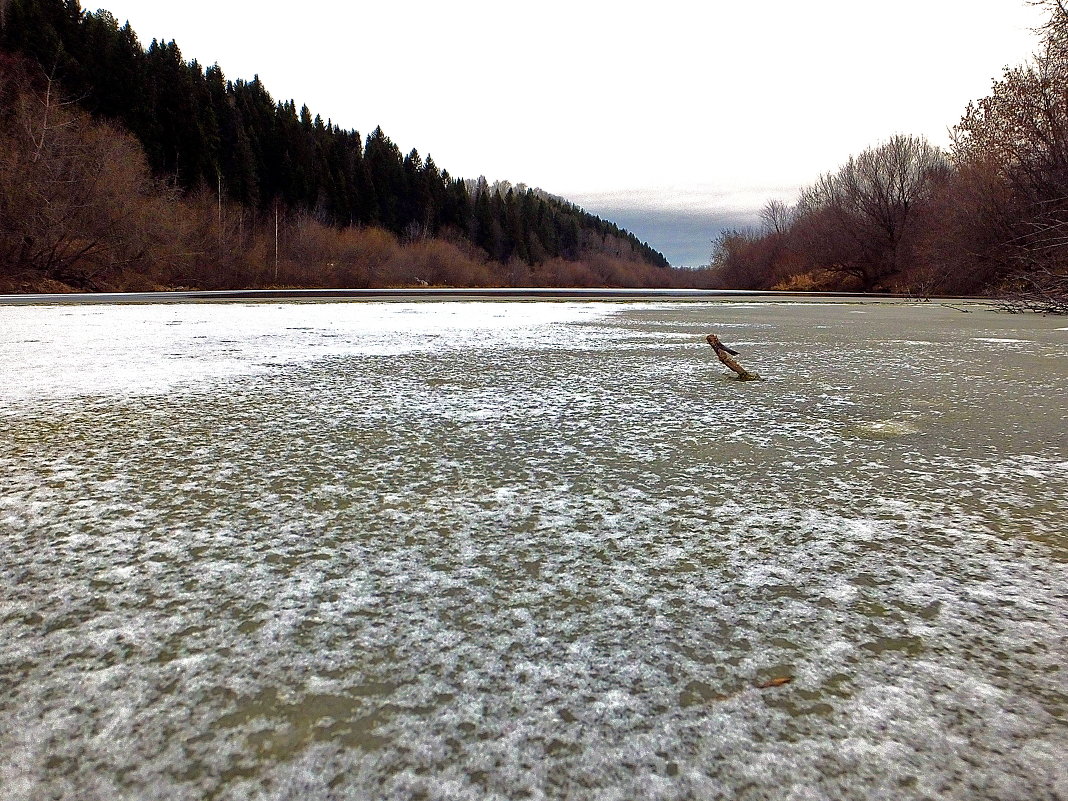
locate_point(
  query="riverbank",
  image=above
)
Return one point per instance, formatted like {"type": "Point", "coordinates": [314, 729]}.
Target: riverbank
{"type": "Point", "coordinates": [449, 293]}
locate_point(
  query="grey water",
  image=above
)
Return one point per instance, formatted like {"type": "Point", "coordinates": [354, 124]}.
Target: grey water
{"type": "Point", "coordinates": [470, 550]}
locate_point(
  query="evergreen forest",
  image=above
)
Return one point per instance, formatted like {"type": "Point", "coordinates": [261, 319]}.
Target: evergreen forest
{"type": "Point", "coordinates": [129, 167]}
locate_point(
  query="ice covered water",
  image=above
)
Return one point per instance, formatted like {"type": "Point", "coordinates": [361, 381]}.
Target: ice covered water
{"type": "Point", "coordinates": [532, 550]}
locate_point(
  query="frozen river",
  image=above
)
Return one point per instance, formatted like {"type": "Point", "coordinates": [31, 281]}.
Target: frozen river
{"type": "Point", "coordinates": [477, 550]}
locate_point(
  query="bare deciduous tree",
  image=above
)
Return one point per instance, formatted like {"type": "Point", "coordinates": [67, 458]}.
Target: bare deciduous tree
{"type": "Point", "coordinates": [69, 186]}
{"type": "Point", "coordinates": [776, 217]}
{"type": "Point", "coordinates": [857, 222]}
{"type": "Point", "coordinates": [1019, 135]}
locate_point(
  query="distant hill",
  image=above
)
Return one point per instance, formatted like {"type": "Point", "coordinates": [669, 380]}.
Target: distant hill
{"type": "Point", "coordinates": [226, 148]}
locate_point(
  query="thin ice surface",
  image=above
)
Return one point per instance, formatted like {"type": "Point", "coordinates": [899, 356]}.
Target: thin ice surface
{"type": "Point", "coordinates": [61, 351]}
{"type": "Point", "coordinates": [528, 550]}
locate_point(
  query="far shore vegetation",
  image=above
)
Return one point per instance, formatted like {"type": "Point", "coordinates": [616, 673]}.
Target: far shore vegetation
{"type": "Point", "coordinates": [124, 167]}
{"type": "Point", "coordinates": [988, 216]}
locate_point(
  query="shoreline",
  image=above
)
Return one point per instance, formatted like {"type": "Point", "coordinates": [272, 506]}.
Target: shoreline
{"type": "Point", "coordinates": [440, 293]}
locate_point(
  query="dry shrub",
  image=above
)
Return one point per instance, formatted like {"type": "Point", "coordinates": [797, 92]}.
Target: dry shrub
{"type": "Point", "coordinates": [628, 272]}
{"type": "Point", "coordinates": [437, 263]}
{"type": "Point", "coordinates": [364, 256]}
{"type": "Point", "coordinates": [811, 281]}
{"type": "Point", "coordinates": [560, 272]}
{"type": "Point", "coordinates": [310, 253]}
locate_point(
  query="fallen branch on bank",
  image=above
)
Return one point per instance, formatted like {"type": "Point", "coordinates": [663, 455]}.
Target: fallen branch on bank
{"type": "Point", "coordinates": [724, 354]}
{"type": "Point", "coordinates": [1042, 290]}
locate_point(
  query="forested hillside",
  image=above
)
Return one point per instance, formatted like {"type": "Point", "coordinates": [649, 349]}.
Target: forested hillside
{"type": "Point", "coordinates": [127, 166]}
{"type": "Point", "coordinates": [988, 216]}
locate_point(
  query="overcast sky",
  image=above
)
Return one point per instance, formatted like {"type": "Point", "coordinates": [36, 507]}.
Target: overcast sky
{"type": "Point", "coordinates": [657, 106]}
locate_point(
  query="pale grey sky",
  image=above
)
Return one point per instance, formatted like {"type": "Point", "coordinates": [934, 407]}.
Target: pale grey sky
{"type": "Point", "coordinates": [667, 105]}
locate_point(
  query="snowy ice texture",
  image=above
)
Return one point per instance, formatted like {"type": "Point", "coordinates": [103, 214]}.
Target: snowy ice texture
{"type": "Point", "coordinates": [507, 550]}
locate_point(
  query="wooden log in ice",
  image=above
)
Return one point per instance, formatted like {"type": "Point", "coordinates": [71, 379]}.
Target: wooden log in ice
{"type": "Point", "coordinates": [724, 354]}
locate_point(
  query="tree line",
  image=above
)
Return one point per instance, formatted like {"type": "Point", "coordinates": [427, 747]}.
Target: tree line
{"type": "Point", "coordinates": [123, 165]}
{"type": "Point", "coordinates": [987, 216]}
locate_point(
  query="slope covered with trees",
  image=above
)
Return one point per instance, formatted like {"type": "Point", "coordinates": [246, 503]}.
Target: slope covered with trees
{"type": "Point", "coordinates": [988, 216]}
{"type": "Point", "coordinates": [124, 166]}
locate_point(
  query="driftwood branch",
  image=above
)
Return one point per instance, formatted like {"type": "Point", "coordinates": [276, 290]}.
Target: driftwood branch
{"type": "Point", "coordinates": [724, 354]}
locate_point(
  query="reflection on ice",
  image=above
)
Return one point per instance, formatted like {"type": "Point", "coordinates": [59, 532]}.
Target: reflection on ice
{"type": "Point", "coordinates": [529, 550]}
